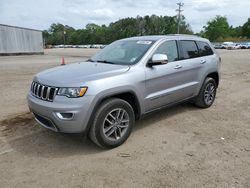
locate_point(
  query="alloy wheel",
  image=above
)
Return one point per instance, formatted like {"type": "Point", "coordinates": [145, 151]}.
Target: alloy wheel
{"type": "Point", "coordinates": [209, 94]}
{"type": "Point", "coordinates": [115, 124]}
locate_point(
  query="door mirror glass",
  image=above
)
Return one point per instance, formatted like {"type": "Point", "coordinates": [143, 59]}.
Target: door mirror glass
{"type": "Point", "coordinates": [159, 59]}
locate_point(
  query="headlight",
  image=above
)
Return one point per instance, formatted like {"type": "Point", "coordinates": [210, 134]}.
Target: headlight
{"type": "Point", "coordinates": [72, 92]}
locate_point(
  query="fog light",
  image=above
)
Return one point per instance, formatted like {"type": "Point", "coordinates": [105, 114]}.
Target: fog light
{"type": "Point", "coordinates": [65, 116]}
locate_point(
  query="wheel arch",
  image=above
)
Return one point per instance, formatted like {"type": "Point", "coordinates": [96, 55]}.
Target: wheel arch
{"type": "Point", "coordinates": [128, 95]}
{"type": "Point", "coordinates": [215, 76]}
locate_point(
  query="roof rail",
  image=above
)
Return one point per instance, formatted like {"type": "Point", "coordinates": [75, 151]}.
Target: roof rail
{"type": "Point", "coordinates": [188, 35]}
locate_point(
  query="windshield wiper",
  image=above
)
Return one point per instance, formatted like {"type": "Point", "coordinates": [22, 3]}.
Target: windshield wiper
{"type": "Point", "coordinates": [105, 61]}
{"type": "Point", "coordinates": [90, 60]}
{"type": "Point", "coordinates": [101, 61]}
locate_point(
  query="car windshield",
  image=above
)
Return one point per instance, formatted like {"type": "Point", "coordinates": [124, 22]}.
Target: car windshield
{"type": "Point", "coordinates": [123, 52]}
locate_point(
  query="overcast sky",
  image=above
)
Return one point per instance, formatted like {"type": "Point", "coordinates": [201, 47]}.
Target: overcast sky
{"type": "Point", "coordinates": [40, 14]}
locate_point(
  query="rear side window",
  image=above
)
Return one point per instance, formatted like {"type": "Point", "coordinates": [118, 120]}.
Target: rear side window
{"type": "Point", "coordinates": [204, 49]}
{"type": "Point", "coordinates": [188, 49]}
{"type": "Point", "coordinates": [170, 49]}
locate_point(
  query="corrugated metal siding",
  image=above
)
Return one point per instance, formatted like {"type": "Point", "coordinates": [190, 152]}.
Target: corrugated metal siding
{"type": "Point", "coordinates": [15, 40]}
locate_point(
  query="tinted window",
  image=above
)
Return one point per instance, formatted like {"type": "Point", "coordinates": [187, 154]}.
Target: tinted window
{"type": "Point", "coordinates": [204, 49]}
{"type": "Point", "coordinates": [170, 49]}
{"type": "Point", "coordinates": [188, 49]}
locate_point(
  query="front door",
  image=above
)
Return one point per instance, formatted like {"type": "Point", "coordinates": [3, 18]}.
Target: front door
{"type": "Point", "coordinates": [171, 82]}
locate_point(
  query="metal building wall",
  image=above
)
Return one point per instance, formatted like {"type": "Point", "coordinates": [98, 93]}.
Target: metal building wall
{"type": "Point", "coordinates": [17, 40]}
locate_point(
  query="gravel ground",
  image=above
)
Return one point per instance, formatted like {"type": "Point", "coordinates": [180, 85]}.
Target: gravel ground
{"type": "Point", "coordinates": [177, 147]}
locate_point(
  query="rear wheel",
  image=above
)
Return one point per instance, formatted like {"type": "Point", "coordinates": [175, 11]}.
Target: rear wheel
{"type": "Point", "coordinates": [112, 124]}
{"type": "Point", "coordinates": [207, 94]}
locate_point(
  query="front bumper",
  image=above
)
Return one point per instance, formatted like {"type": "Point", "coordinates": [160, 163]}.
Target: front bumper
{"type": "Point", "coordinates": [46, 113]}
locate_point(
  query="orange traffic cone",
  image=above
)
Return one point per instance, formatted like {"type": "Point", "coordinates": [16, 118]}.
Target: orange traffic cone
{"type": "Point", "coordinates": [63, 61]}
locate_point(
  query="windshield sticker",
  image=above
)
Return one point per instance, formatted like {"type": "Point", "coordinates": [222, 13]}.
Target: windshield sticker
{"type": "Point", "coordinates": [146, 42]}
{"type": "Point", "coordinates": [133, 59]}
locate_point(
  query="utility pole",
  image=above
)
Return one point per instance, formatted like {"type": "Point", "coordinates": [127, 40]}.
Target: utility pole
{"type": "Point", "coordinates": [179, 15]}
{"type": "Point", "coordinates": [64, 33]}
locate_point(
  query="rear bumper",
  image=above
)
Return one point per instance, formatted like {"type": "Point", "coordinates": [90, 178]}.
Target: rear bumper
{"type": "Point", "coordinates": [46, 113]}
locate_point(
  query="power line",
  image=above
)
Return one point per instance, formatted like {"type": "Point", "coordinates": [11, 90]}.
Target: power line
{"type": "Point", "coordinates": [179, 15]}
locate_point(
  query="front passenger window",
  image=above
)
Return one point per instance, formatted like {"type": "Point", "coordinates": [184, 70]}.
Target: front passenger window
{"type": "Point", "coordinates": [170, 49]}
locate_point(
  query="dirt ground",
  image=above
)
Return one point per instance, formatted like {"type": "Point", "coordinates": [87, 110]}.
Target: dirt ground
{"type": "Point", "coordinates": [177, 147]}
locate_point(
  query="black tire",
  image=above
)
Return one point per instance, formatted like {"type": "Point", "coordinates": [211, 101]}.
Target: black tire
{"type": "Point", "coordinates": [103, 117]}
{"type": "Point", "coordinates": [202, 100]}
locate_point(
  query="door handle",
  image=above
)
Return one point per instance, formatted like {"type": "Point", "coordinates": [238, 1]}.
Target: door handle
{"type": "Point", "coordinates": [178, 66]}
{"type": "Point", "coordinates": [203, 61]}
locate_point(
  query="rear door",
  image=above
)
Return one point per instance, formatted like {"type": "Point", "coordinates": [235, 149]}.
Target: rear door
{"type": "Point", "coordinates": [192, 64]}
{"type": "Point", "coordinates": [207, 60]}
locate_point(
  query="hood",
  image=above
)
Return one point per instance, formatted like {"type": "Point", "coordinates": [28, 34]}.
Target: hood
{"type": "Point", "coordinates": [77, 74]}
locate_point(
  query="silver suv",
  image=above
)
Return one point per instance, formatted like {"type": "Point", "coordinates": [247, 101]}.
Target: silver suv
{"type": "Point", "coordinates": [126, 80]}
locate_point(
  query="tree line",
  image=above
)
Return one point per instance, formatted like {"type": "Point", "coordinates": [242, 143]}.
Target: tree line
{"type": "Point", "coordinates": [127, 27]}
{"type": "Point", "coordinates": [217, 29]}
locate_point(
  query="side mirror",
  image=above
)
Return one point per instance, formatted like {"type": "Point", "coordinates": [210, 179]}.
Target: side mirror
{"type": "Point", "coordinates": [158, 59]}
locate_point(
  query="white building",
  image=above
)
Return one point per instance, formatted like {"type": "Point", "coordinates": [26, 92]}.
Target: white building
{"type": "Point", "coordinates": [17, 40]}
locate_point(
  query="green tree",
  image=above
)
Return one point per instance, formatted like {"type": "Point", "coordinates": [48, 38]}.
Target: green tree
{"type": "Point", "coordinates": [56, 27]}
{"type": "Point", "coordinates": [236, 31]}
{"type": "Point", "coordinates": [217, 28]}
{"type": "Point", "coordinates": [246, 29]}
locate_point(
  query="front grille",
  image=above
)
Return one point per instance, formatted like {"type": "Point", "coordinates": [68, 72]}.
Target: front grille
{"type": "Point", "coordinates": [43, 92]}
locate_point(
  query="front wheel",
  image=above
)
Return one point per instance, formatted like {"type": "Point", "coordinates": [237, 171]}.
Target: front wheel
{"type": "Point", "coordinates": [112, 124]}
{"type": "Point", "coordinates": [207, 94]}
